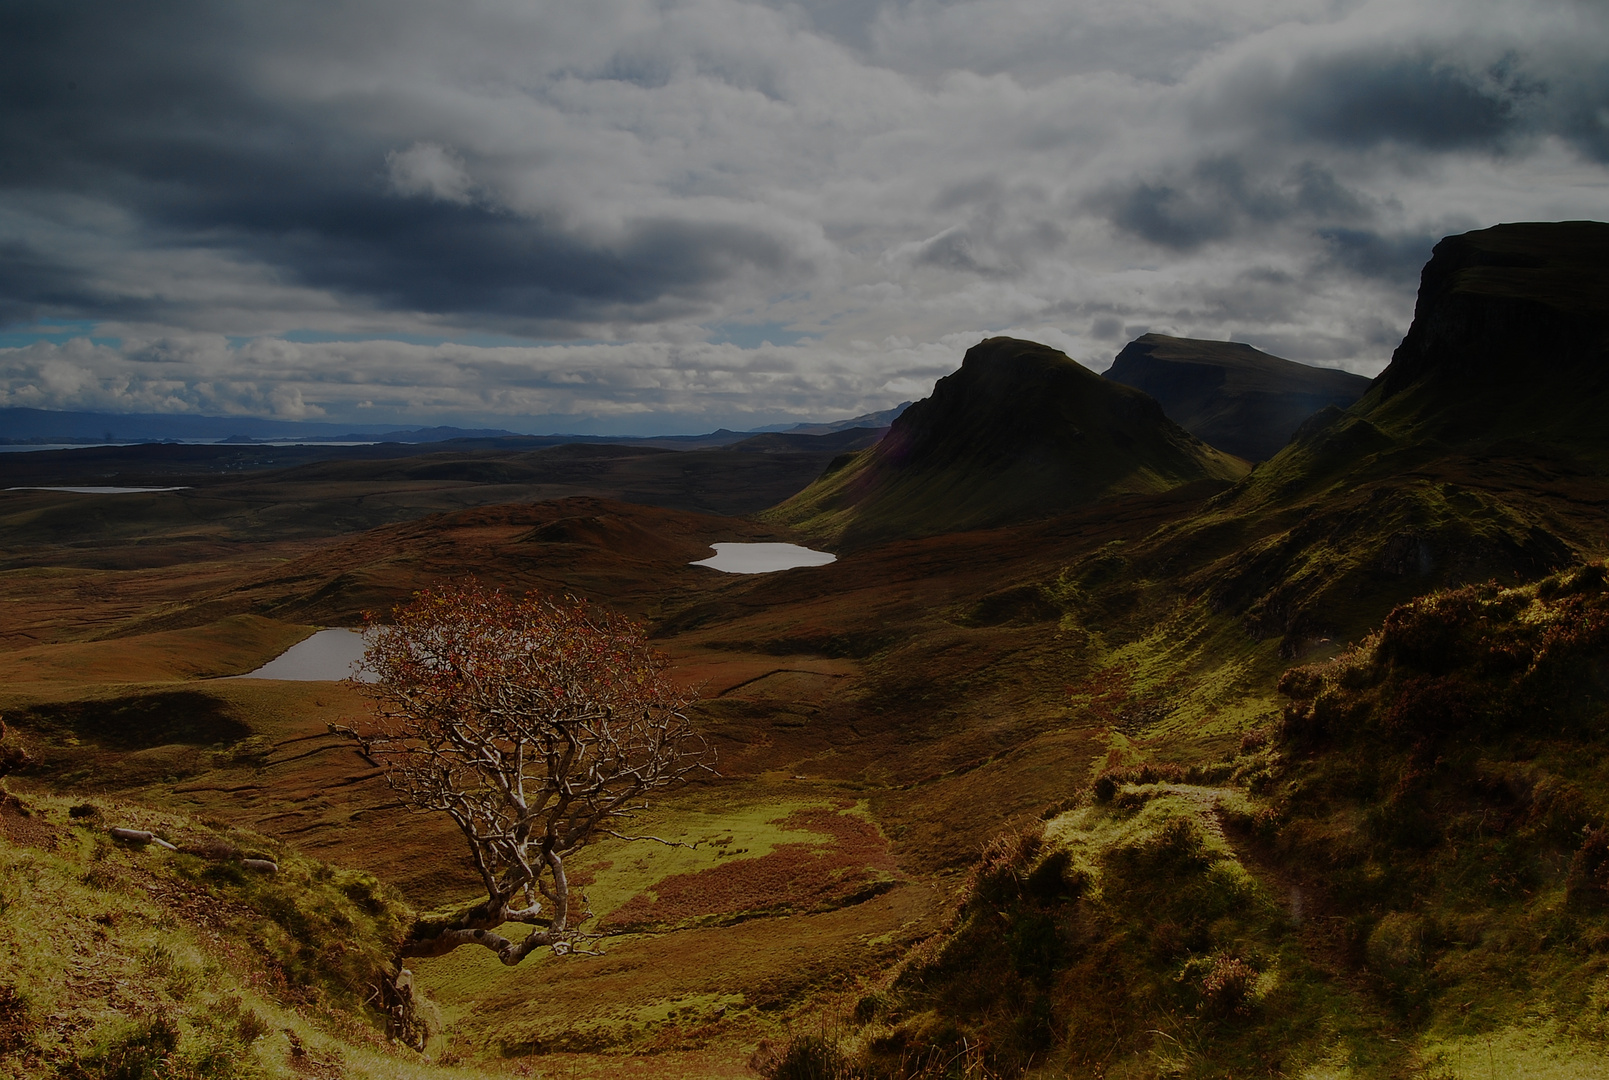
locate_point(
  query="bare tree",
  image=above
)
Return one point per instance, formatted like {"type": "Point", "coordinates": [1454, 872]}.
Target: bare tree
{"type": "Point", "coordinates": [537, 726]}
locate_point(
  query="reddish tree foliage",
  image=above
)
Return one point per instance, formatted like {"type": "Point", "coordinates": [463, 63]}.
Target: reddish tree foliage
{"type": "Point", "coordinates": [536, 725]}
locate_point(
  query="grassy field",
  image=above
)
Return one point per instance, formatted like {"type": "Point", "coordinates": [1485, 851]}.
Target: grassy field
{"type": "Point", "coordinates": [1126, 791]}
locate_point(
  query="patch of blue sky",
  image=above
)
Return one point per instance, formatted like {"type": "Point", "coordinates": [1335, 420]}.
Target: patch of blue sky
{"type": "Point", "coordinates": [753, 335]}
{"type": "Point", "coordinates": [474, 340]}
{"type": "Point", "coordinates": [56, 331]}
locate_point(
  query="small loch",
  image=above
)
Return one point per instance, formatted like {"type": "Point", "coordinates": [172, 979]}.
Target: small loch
{"type": "Point", "coordinates": [763, 558]}
{"type": "Point", "coordinates": [103, 490]}
{"type": "Point", "coordinates": [327, 655]}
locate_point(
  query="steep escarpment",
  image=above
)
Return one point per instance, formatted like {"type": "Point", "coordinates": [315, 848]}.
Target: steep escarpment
{"type": "Point", "coordinates": [1479, 454]}
{"type": "Point", "coordinates": [1232, 395]}
{"type": "Point", "coordinates": [1020, 431]}
{"type": "Point", "coordinates": [1510, 340]}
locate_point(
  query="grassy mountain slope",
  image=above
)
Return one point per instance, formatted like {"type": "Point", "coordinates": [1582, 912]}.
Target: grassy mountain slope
{"type": "Point", "coordinates": [1510, 344]}
{"type": "Point", "coordinates": [1407, 875]}
{"type": "Point", "coordinates": [1231, 395]}
{"type": "Point", "coordinates": [1020, 431]}
{"type": "Point", "coordinates": [125, 962]}
{"type": "Point", "coordinates": [1479, 453]}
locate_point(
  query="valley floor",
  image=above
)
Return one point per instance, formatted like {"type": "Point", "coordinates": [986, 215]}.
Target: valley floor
{"type": "Point", "coordinates": [879, 722]}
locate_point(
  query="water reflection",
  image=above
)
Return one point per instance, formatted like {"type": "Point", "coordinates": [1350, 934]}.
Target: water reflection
{"type": "Point", "coordinates": [102, 490]}
{"type": "Point", "coordinates": [327, 655]}
{"type": "Point", "coordinates": [763, 558]}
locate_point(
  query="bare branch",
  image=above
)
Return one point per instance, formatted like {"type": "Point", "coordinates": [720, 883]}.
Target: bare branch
{"type": "Point", "coordinates": [668, 843]}
{"type": "Point", "coordinates": [537, 726]}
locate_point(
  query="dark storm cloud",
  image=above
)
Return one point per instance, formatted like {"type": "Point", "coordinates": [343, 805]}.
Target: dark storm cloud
{"type": "Point", "coordinates": [1437, 97]}
{"type": "Point", "coordinates": [34, 286]}
{"type": "Point", "coordinates": [422, 254]}
{"type": "Point", "coordinates": [1367, 253]}
{"type": "Point", "coordinates": [1221, 197]}
{"type": "Point", "coordinates": [1421, 99]}
{"type": "Point", "coordinates": [151, 108]}
{"type": "Point", "coordinates": [355, 205]}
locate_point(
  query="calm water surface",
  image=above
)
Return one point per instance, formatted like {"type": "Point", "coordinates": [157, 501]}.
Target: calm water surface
{"type": "Point", "coordinates": [101, 490]}
{"type": "Point", "coordinates": [763, 558]}
{"type": "Point", "coordinates": [327, 655]}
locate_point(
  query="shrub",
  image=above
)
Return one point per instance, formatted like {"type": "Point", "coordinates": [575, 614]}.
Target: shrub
{"type": "Point", "coordinates": [1177, 848]}
{"type": "Point", "coordinates": [1436, 707]}
{"type": "Point", "coordinates": [1004, 866]}
{"type": "Point", "coordinates": [136, 1051]}
{"type": "Point", "coordinates": [1229, 987]}
{"type": "Point", "coordinates": [805, 1057]}
{"type": "Point", "coordinates": [1429, 634]}
{"type": "Point", "coordinates": [1148, 772]}
{"type": "Point", "coordinates": [1055, 877]}
{"type": "Point", "coordinates": [1588, 880]}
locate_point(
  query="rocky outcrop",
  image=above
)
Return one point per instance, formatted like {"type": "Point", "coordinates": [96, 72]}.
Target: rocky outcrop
{"type": "Point", "coordinates": [1517, 303]}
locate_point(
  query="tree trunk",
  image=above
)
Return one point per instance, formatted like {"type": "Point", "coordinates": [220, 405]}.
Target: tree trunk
{"type": "Point", "coordinates": [406, 1021]}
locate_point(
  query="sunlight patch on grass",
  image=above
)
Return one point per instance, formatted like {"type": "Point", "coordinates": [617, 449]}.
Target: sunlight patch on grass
{"type": "Point", "coordinates": [1514, 1053]}
{"type": "Point", "coordinates": [117, 961]}
{"type": "Point", "coordinates": [616, 871]}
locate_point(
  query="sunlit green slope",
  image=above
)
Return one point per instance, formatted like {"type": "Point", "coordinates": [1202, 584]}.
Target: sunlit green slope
{"type": "Point", "coordinates": [1021, 431]}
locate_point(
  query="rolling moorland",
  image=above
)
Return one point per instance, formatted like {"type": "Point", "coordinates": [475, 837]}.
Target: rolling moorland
{"type": "Point", "coordinates": [1103, 750]}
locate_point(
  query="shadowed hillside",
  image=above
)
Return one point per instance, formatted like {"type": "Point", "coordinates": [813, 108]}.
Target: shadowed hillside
{"type": "Point", "coordinates": [1379, 886]}
{"type": "Point", "coordinates": [1408, 875]}
{"type": "Point", "coordinates": [1231, 395]}
{"type": "Point", "coordinates": [1510, 340]}
{"type": "Point", "coordinates": [1021, 431]}
{"type": "Point", "coordinates": [1478, 454]}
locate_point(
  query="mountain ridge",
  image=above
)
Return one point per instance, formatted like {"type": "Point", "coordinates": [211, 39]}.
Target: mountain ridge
{"type": "Point", "coordinates": [1231, 395]}
{"type": "Point", "coordinates": [1019, 431]}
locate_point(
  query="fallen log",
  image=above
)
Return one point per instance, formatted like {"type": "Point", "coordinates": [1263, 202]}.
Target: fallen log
{"type": "Point", "coordinates": [140, 836]}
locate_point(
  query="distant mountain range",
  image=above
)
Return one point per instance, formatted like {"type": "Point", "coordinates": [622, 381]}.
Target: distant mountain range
{"type": "Point", "coordinates": [1231, 395]}
{"type": "Point", "coordinates": [19, 425]}
{"type": "Point", "coordinates": [44, 426]}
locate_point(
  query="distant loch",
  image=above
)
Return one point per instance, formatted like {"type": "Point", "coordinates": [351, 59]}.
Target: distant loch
{"type": "Point", "coordinates": [763, 558]}
{"type": "Point", "coordinates": [328, 655]}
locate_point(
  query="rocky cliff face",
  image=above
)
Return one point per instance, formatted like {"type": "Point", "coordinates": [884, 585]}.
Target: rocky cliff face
{"type": "Point", "coordinates": [1513, 305]}
{"type": "Point", "coordinates": [1481, 453]}
{"type": "Point", "coordinates": [1232, 395]}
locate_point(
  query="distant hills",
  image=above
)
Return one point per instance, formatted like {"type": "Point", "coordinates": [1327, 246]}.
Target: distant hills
{"type": "Point", "coordinates": [18, 425]}
{"type": "Point", "coordinates": [1020, 431]}
{"type": "Point", "coordinates": [1231, 395]}
{"type": "Point", "coordinates": [46, 426]}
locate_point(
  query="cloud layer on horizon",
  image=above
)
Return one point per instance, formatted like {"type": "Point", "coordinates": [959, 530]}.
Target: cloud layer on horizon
{"type": "Point", "coordinates": [601, 212]}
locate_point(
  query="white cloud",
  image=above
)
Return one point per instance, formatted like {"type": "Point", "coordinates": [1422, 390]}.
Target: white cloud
{"type": "Point", "coordinates": [919, 175]}
{"type": "Point", "coordinates": [428, 169]}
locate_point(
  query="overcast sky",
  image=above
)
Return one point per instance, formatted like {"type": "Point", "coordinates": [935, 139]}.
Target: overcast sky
{"type": "Point", "coordinates": [657, 215]}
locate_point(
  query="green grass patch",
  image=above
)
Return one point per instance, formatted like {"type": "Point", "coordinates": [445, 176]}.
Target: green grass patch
{"type": "Point", "coordinates": [123, 962]}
